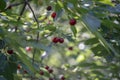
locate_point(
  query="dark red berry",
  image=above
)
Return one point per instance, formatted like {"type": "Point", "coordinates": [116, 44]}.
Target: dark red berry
{"type": "Point", "coordinates": [53, 15]}
{"type": "Point", "coordinates": [46, 67]}
{"type": "Point", "coordinates": [62, 78]}
{"type": "Point", "coordinates": [51, 79]}
{"type": "Point", "coordinates": [19, 66]}
{"type": "Point", "coordinates": [10, 51]}
{"type": "Point", "coordinates": [28, 48]}
{"type": "Point", "coordinates": [50, 70]}
{"type": "Point", "coordinates": [55, 40]}
{"type": "Point", "coordinates": [72, 22]}
{"type": "Point", "coordinates": [70, 48]}
{"type": "Point", "coordinates": [41, 73]}
{"type": "Point", "coordinates": [61, 40]}
{"type": "Point", "coordinates": [9, 7]}
{"type": "Point", "coordinates": [25, 72]}
{"type": "Point", "coordinates": [49, 8]}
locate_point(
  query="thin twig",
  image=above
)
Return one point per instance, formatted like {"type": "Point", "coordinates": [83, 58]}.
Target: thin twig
{"type": "Point", "coordinates": [16, 4]}
{"type": "Point", "coordinates": [13, 5]}
{"type": "Point", "coordinates": [35, 49]}
{"type": "Point", "coordinates": [33, 13]}
{"type": "Point", "coordinates": [21, 13]}
{"type": "Point", "coordinates": [37, 38]}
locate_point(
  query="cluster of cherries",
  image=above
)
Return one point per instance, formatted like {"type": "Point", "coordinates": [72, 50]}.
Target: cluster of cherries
{"type": "Point", "coordinates": [72, 22]}
{"type": "Point", "coordinates": [50, 70]}
{"type": "Point", "coordinates": [57, 39]}
{"type": "Point", "coordinates": [54, 14]}
{"type": "Point", "coordinates": [10, 51]}
{"type": "Point", "coordinates": [20, 67]}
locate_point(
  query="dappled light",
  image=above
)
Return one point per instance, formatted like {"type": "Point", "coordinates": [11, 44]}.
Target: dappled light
{"type": "Point", "coordinates": [59, 40]}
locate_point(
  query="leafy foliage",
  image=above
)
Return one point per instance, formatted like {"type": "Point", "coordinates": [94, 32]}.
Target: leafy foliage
{"type": "Point", "coordinates": [90, 44]}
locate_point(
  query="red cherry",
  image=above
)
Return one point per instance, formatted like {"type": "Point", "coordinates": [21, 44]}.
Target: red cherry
{"type": "Point", "coordinates": [62, 78]}
{"type": "Point", "coordinates": [70, 48]}
{"type": "Point", "coordinates": [28, 48]}
{"type": "Point", "coordinates": [61, 40]}
{"type": "Point", "coordinates": [19, 66]}
{"type": "Point", "coordinates": [72, 22]}
{"type": "Point", "coordinates": [50, 70]}
{"type": "Point", "coordinates": [41, 73]}
{"type": "Point", "coordinates": [9, 7]}
{"type": "Point", "coordinates": [49, 8]}
{"type": "Point", "coordinates": [55, 40]}
{"type": "Point", "coordinates": [10, 51]}
{"type": "Point", "coordinates": [25, 72]}
{"type": "Point", "coordinates": [51, 79]}
{"type": "Point", "coordinates": [53, 15]}
{"type": "Point", "coordinates": [46, 67]}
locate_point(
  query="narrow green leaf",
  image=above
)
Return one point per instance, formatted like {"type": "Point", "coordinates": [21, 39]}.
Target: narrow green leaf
{"type": "Point", "coordinates": [60, 4]}
{"type": "Point", "coordinates": [50, 28]}
{"type": "Point", "coordinates": [98, 73]}
{"type": "Point", "coordinates": [57, 7]}
{"type": "Point", "coordinates": [24, 59]}
{"type": "Point", "coordinates": [74, 30]}
{"type": "Point", "coordinates": [74, 2]}
{"type": "Point", "coordinates": [91, 41]}
{"type": "Point", "coordinates": [109, 2]}
{"type": "Point", "coordinates": [93, 28]}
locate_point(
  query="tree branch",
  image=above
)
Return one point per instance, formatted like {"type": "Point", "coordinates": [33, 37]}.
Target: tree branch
{"type": "Point", "coordinates": [13, 5]}
{"type": "Point", "coordinates": [33, 13]}
{"type": "Point", "coordinates": [37, 37]}
{"type": "Point", "coordinates": [21, 13]}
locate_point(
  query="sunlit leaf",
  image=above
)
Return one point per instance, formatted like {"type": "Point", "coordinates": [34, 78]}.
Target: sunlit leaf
{"type": "Point", "coordinates": [109, 2]}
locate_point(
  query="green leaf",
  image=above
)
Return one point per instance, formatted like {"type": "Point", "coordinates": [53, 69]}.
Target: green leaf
{"type": "Point", "coordinates": [109, 2]}
{"type": "Point", "coordinates": [98, 73]}
{"type": "Point", "coordinates": [99, 50]}
{"type": "Point", "coordinates": [9, 76]}
{"type": "Point", "coordinates": [81, 10]}
{"type": "Point", "coordinates": [91, 41]}
{"type": "Point", "coordinates": [69, 37]}
{"type": "Point", "coordinates": [45, 72]}
{"type": "Point", "coordinates": [2, 44]}
{"type": "Point", "coordinates": [57, 7]}
{"type": "Point", "coordinates": [86, 64]}
{"type": "Point", "coordinates": [50, 28]}
{"type": "Point", "coordinates": [60, 4]}
{"type": "Point", "coordinates": [3, 61]}
{"type": "Point", "coordinates": [2, 5]}
{"type": "Point", "coordinates": [17, 45]}
{"type": "Point", "coordinates": [10, 68]}
{"type": "Point", "coordinates": [74, 2]}
{"type": "Point", "coordinates": [17, 77]}
{"type": "Point", "coordinates": [24, 58]}
{"type": "Point", "coordinates": [74, 30]}
{"type": "Point", "coordinates": [92, 21]}
{"type": "Point", "coordinates": [110, 24]}
{"type": "Point", "coordinates": [1, 32]}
